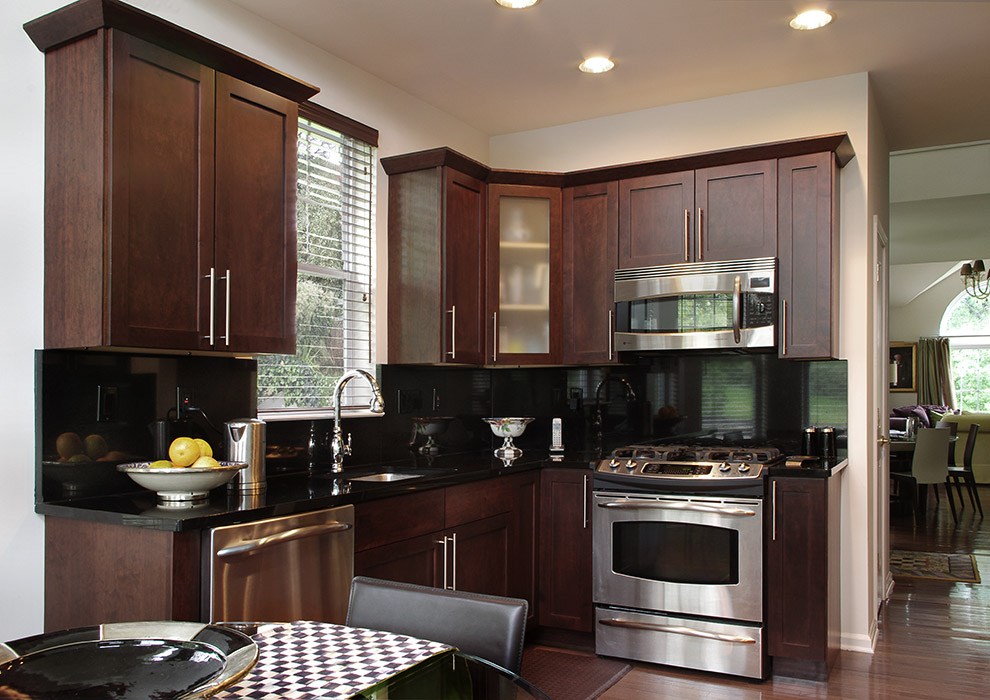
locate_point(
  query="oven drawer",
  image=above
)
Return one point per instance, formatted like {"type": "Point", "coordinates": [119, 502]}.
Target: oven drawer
{"type": "Point", "coordinates": [719, 647]}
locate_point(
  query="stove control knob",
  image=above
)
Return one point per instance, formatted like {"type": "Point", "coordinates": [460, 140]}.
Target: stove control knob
{"type": "Point", "coordinates": [613, 464]}
{"type": "Point", "coordinates": [630, 465]}
{"type": "Point", "coordinates": [724, 467]}
{"type": "Point", "coordinates": [743, 468]}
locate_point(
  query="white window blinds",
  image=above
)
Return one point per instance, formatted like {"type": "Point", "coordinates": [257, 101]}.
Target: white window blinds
{"type": "Point", "coordinates": [334, 306]}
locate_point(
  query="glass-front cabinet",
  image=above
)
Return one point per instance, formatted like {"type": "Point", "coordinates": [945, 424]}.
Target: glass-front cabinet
{"type": "Point", "coordinates": [524, 285]}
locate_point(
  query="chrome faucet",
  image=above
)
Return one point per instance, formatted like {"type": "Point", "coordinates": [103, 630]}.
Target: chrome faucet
{"type": "Point", "coordinates": [339, 448]}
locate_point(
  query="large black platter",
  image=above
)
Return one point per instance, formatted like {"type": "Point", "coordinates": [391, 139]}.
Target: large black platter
{"type": "Point", "coordinates": [124, 661]}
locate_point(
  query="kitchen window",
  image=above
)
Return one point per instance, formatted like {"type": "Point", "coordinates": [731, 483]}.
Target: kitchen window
{"type": "Point", "coordinates": [335, 320]}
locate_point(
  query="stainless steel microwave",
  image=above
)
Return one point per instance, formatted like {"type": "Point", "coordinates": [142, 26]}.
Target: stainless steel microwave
{"type": "Point", "coordinates": [691, 306]}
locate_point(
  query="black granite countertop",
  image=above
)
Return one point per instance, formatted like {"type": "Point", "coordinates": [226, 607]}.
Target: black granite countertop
{"type": "Point", "coordinates": [810, 470]}
{"type": "Point", "coordinates": [302, 491]}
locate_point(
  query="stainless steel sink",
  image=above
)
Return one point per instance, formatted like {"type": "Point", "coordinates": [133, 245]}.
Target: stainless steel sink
{"type": "Point", "coordinates": [386, 476]}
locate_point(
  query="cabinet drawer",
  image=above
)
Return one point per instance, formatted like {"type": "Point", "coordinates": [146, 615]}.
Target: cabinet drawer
{"type": "Point", "coordinates": [476, 500]}
{"type": "Point", "coordinates": [389, 520]}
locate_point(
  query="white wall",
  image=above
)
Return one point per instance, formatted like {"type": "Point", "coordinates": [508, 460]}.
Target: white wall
{"type": "Point", "coordinates": [405, 123]}
{"type": "Point", "coordinates": [805, 109]}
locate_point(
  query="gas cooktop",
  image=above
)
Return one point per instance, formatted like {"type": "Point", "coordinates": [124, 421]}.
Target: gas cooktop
{"type": "Point", "coordinates": [690, 461]}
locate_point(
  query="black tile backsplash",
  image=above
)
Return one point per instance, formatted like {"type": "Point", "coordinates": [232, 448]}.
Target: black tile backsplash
{"type": "Point", "coordinates": [736, 397]}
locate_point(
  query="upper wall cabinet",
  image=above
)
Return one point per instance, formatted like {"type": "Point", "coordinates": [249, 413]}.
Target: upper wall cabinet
{"type": "Point", "coordinates": [170, 188]}
{"type": "Point", "coordinates": [524, 274]}
{"type": "Point", "coordinates": [437, 218]}
{"type": "Point", "coordinates": [719, 213]}
{"type": "Point", "coordinates": [808, 221]}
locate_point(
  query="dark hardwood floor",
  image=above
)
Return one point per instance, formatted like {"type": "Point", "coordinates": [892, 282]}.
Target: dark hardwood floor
{"type": "Point", "coordinates": [934, 636]}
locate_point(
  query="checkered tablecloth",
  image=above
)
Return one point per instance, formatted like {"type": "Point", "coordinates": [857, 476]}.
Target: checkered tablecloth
{"type": "Point", "coordinates": [310, 660]}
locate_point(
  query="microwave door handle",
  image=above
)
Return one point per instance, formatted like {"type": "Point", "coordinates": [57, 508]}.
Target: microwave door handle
{"type": "Point", "coordinates": [736, 311]}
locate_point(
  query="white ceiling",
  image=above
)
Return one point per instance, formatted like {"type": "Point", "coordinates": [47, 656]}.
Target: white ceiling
{"type": "Point", "coordinates": [503, 71]}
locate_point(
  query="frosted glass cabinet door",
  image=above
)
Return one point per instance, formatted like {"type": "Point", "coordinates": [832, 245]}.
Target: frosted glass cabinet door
{"type": "Point", "coordinates": [527, 258]}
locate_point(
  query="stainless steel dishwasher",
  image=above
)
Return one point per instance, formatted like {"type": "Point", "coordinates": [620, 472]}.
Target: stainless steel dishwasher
{"type": "Point", "coordinates": [296, 567]}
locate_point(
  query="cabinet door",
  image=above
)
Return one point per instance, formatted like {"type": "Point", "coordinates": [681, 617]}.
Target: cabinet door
{"type": "Point", "coordinates": [797, 569]}
{"type": "Point", "coordinates": [255, 248]}
{"type": "Point", "coordinates": [808, 252]}
{"type": "Point", "coordinates": [590, 242]}
{"type": "Point", "coordinates": [736, 211]}
{"type": "Point", "coordinates": [465, 218]}
{"type": "Point", "coordinates": [161, 197]}
{"type": "Point", "coordinates": [418, 560]}
{"type": "Point", "coordinates": [565, 550]}
{"type": "Point", "coordinates": [655, 220]}
{"type": "Point", "coordinates": [480, 555]}
{"type": "Point", "coordinates": [524, 276]}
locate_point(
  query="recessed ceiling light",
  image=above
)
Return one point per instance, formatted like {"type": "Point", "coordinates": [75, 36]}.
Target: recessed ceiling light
{"type": "Point", "coordinates": [517, 4]}
{"type": "Point", "coordinates": [596, 64]}
{"type": "Point", "coordinates": [812, 19]}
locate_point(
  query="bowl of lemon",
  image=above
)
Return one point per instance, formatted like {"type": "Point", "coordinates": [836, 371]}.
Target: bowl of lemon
{"type": "Point", "coordinates": [187, 476]}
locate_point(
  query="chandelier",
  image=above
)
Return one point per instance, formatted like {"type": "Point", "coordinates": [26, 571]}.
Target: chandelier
{"type": "Point", "coordinates": [975, 279]}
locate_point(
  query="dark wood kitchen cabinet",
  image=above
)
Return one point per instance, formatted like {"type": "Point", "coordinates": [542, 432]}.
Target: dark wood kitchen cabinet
{"type": "Point", "coordinates": [98, 573]}
{"type": "Point", "coordinates": [590, 241]}
{"type": "Point", "coordinates": [565, 550]}
{"type": "Point", "coordinates": [725, 212]}
{"type": "Point", "coordinates": [477, 537]}
{"type": "Point", "coordinates": [170, 189]}
{"type": "Point", "coordinates": [524, 274]}
{"type": "Point", "coordinates": [437, 217]}
{"type": "Point", "coordinates": [808, 251]}
{"type": "Point", "coordinates": [802, 569]}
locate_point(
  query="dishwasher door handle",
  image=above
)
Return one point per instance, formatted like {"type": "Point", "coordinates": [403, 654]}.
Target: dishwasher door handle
{"type": "Point", "coordinates": [298, 533]}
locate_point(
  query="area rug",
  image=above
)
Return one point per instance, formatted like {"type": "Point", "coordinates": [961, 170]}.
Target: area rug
{"type": "Point", "coordinates": [934, 566]}
{"type": "Point", "coordinates": [567, 675]}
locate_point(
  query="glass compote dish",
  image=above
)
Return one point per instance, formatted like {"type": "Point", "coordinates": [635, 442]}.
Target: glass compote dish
{"type": "Point", "coordinates": [508, 428]}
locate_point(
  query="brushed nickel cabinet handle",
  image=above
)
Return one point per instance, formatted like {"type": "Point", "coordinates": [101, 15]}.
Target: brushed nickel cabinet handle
{"type": "Point", "coordinates": [444, 555]}
{"type": "Point", "coordinates": [495, 336]}
{"type": "Point", "coordinates": [453, 332]}
{"type": "Point", "coordinates": [226, 316]}
{"type": "Point", "coordinates": [687, 235]}
{"type": "Point", "coordinates": [213, 304]}
{"type": "Point", "coordinates": [701, 220]}
{"type": "Point", "coordinates": [783, 327]}
{"type": "Point", "coordinates": [611, 334]}
{"type": "Point", "coordinates": [773, 513]}
{"type": "Point", "coordinates": [584, 502]}
{"type": "Point", "coordinates": [453, 562]}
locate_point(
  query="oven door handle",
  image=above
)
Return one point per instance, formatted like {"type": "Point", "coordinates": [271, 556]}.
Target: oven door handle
{"type": "Point", "coordinates": [693, 507]}
{"type": "Point", "coordinates": [676, 629]}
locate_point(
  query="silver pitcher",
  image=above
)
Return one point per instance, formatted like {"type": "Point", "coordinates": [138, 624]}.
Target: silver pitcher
{"type": "Point", "coordinates": [246, 443]}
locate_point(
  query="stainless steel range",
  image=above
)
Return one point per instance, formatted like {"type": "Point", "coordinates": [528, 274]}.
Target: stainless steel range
{"type": "Point", "coordinates": [678, 556]}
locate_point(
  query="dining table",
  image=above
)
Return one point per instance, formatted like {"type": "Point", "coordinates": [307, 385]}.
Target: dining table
{"type": "Point", "coordinates": [307, 660]}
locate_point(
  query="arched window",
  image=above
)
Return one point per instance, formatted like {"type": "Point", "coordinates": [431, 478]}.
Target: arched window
{"type": "Point", "coordinates": [966, 322]}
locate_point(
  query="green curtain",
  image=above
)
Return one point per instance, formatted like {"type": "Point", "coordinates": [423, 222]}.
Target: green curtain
{"type": "Point", "coordinates": [935, 385]}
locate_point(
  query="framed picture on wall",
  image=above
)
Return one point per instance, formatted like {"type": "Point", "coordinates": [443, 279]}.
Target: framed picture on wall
{"type": "Point", "coordinates": [903, 366]}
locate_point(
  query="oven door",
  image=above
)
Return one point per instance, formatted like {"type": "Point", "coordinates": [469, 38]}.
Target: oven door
{"type": "Point", "coordinates": [675, 554]}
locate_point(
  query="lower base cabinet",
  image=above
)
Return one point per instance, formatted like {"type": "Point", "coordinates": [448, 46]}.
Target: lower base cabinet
{"type": "Point", "coordinates": [802, 569]}
{"type": "Point", "coordinates": [565, 550]}
{"type": "Point", "coordinates": [98, 573]}
{"type": "Point", "coordinates": [476, 537]}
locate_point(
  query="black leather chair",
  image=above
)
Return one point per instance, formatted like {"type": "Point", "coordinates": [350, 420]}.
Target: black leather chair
{"type": "Point", "coordinates": [964, 474]}
{"type": "Point", "coordinates": [491, 627]}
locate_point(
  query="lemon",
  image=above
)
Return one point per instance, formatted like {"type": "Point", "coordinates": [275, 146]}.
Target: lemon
{"type": "Point", "coordinates": [206, 461]}
{"type": "Point", "coordinates": [161, 464]}
{"type": "Point", "coordinates": [183, 451]}
{"type": "Point", "coordinates": [204, 447]}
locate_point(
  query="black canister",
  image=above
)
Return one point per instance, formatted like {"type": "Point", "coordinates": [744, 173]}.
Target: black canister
{"type": "Point", "coordinates": [827, 440]}
{"type": "Point", "coordinates": [811, 444]}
